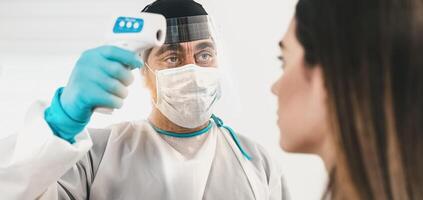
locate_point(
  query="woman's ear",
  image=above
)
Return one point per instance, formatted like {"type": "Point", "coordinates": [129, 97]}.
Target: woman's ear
{"type": "Point", "coordinates": [317, 80]}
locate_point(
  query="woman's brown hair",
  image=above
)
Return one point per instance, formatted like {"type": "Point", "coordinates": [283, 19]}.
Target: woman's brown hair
{"type": "Point", "coordinates": [371, 54]}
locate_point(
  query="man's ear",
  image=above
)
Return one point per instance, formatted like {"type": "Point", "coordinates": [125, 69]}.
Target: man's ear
{"type": "Point", "coordinates": [144, 56]}
{"type": "Point", "coordinates": [146, 76]}
{"type": "Point", "coordinates": [143, 71]}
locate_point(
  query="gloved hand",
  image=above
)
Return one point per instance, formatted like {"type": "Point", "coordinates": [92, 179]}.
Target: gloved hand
{"type": "Point", "coordinates": [99, 79]}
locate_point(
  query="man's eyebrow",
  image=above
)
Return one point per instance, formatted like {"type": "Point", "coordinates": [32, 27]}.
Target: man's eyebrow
{"type": "Point", "coordinates": [204, 45]}
{"type": "Point", "coordinates": [168, 47]}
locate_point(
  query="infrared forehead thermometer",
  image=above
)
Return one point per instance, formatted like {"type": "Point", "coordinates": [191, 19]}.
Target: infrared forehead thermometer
{"type": "Point", "coordinates": [136, 33]}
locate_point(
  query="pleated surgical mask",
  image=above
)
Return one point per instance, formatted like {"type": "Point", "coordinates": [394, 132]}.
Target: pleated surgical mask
{"type": "Point", "coordinates": [186, 95]}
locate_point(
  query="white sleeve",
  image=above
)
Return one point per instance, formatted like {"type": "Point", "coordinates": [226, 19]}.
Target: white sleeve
{"type": "Point", "coordinates": [277, 184]}
{"type": "Point", "coordinates": [276, 181]}
{"type": "Point", "coordinates": [34, 159]}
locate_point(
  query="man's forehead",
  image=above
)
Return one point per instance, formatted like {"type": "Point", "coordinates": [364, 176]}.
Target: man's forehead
{"type": "Point", "coordinates": [198, 44]}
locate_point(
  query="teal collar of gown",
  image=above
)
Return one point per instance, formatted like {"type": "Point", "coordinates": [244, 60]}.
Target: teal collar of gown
{"type": "Point", "coordinates": [182, 135]}
{"type": "Point", "coordinates": [219, 124]}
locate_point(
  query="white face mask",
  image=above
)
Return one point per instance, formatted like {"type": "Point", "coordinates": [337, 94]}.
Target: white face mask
{"type": "Point", "coordinates": [186, 95]}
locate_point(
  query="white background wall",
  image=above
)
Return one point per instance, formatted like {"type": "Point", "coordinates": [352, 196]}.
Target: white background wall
{"type": "Point", "coordinates": [41, 40]}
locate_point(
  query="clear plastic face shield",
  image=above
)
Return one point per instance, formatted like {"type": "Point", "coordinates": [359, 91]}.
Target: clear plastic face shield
{"type": "Point", "coordinates": [184, 76]}
{"type": "Point", "coordinates": [189, 40]}
{"type": "Point", "coordinates": [186, 83]}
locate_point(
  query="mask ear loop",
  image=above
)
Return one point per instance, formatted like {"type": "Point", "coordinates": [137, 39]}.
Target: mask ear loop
{"type": "Point", "coordinates": [149, 68]}
{"type": "Point", "coordinates": [157, 84]}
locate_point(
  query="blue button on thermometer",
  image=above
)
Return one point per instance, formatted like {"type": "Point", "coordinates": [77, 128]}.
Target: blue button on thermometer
{"type": "Point", "coordinates": [128, 25]}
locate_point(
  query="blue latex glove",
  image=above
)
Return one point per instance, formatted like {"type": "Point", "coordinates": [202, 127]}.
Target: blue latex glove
{"type": "Point", "coordinates": [99, 79]}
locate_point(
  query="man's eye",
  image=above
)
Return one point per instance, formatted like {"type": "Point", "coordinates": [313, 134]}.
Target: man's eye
{"type": "Point", "coordinates": [172, 59]}
{"type": "Point", "coordinates": [204, 57]}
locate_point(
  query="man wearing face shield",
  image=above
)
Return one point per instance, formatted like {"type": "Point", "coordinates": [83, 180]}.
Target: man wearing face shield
{"type": "Point", "coordinates": [182, 151]}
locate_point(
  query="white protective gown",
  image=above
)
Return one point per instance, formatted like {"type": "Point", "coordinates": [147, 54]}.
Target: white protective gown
{"type": "Point", "coordinates": [131, 161]}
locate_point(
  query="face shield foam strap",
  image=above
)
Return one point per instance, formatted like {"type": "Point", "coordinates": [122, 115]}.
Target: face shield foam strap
{"type": "Point", "coordinates": [186, 29]}
{"type": "Point", "coordinates": [219, 124]}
